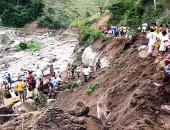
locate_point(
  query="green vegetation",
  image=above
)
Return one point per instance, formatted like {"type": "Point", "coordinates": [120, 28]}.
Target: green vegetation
{"type": "Point", "coordinates": [101, 4]}
{"type": "Point", "coordinates": [38, 98]}
{"type": "Point", "coordinates": [54, 21]}
{"type": "Point", "coordinates": [28, 46]}
{"type": "Point", "coordinates": [3, 38]}
{"type": "Point", "coordinates": [71, 85]}
{"type": "Point", "coordinates": [87, 34]}
{"type": "Point", "coordinates": [60, 13]}
{"type": "Point", "coordinates": [133, 12]}
{"type": "Point", "coordinates": [17, 13]}
{"type": "Point", "coordinates": [92, 88]}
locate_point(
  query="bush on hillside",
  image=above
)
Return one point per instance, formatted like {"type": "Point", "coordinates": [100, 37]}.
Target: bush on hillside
{"type": "Point", "coordinates": [49, 21]}
{"type": "Point", "coordinates": [92, 88]}
{"type": "Point", "coordinates": [71, 85]}
{"type": "Point", "coordinates": [87, 34]}
{"type": "Point", "coordinates": [57, 22]}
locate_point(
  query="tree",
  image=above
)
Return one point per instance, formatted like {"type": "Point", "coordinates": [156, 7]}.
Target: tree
{"type": "Point", "coordinates": [101, 4]}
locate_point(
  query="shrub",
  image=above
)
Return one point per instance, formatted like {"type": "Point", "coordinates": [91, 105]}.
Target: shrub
{"type": "Point", "coordinates": [87, 34]}
{"type": "Point", "coordinates": [23, 45]}
{"type": "Point", "coordinates": [38, 98]}
{"type": "Point", "coordinates": [57, 22]}
{"type": "Point", "coordinates": [92, 88]}
{"type": "Point", "coordinates": [28, 46]}
{"type": "Point", "coordinates": [49, 21]}
{"type": "Point", "coordinates": [88, 14]}
{"type": "Point", "coordinates": [71, 85]}
{"type": "Point", "coordinates": [4, 38]}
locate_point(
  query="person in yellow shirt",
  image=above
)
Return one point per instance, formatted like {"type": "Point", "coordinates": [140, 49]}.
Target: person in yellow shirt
{"type": "Point", "coordinates": [124, 30]}
{"type": "Point", "coordinates": [156, 30]}
{"type": "Point", "coordinates": [20, 87]}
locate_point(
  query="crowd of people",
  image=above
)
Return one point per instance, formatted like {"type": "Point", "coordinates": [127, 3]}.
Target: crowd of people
{"type": "Point", "coordinates": [29, 80]}
{"type": "Point", "coordinates": [85, 70]}
{"type": "Point", "coordinates": [159, 45]}
{"type": "Point", "coordinates": [115, 31]}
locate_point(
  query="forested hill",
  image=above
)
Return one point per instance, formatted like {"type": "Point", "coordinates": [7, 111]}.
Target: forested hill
{"type": "Point", "coordinates": [57, 14]}
{"type": "Point", "coordinates": [133, 12]}
{"type": "Point", "coordinates": [16, 13]}
{"type": "Point", "coordinates": [49, 13]}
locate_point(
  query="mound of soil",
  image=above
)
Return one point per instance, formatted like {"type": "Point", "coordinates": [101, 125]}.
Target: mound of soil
{"type": "Point", "coordinates": [133, 100]}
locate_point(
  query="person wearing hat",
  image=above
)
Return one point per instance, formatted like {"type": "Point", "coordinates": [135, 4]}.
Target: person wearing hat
{"type": "Point", "coordinates": [20, 87]}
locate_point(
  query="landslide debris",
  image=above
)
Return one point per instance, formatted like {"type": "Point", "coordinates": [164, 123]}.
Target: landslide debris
{"type": "Point", "coordinates": [134, 102]}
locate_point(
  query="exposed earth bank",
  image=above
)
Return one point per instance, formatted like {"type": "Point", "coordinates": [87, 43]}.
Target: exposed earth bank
{"type": "Point", "coordinates": [127, 95]}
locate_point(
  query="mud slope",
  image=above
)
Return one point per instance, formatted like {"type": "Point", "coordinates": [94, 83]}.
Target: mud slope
{"type": "Point", "coordinates": [126, 90]}
{"type": "Point", "coordinates": [131, 97]}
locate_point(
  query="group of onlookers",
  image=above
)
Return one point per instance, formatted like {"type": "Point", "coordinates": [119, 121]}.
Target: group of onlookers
{"type": "Point", "coordinates": [159, 45]}
{"type": "Point", "coordinates": [30, 81]}
{"type": "Point", "coordinates": [115, 31]}
{"type": "Point", "coordinates": [85, 70]}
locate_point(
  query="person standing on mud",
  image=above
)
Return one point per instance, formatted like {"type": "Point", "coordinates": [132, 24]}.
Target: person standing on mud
{"type": "Point", "coordinates": [164, 43]}
{"type": "Point", "coordinates": [20, 87]}
{"type": "Point", "coordinates": [50, 88]}
{"type": "Point", "coordinates": [30, 79]}
{"type": "Point", "coordinates": [9, 81]}
{"type": "Point", "coordinates": [98, 65]}
{"type": "Point", "coordinates": [152, 39]}
{"type": "Point", "coordinates": [144, 27]}
{"type": "Point", "coordinates": [73, 67]}
{"type": "Point", "coordinates": [86, 73]}
{"type": "Point", "coordinates": [78, 69]}
{"type": "Point", "coordinates": [68, 71]}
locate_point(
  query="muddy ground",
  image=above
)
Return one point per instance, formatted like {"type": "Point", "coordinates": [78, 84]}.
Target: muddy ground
{"type": "Point", "coordinates": [132, 99]}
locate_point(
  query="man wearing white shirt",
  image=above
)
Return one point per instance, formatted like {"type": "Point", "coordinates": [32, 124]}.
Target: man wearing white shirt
{"type": "Point", "coordinates": [144, 27]}
{"type": "Point", "coordinates": [164, 44]}
{"type": "Point", "coordinates": [153, 38]}
{"type": "Point", "coordinates": [86, 72]}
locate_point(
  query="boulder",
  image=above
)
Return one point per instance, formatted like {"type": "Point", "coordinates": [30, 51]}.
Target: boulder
{"type": "Point", "coordinates": [89, 57]}
{"type": "Point", "coordinates": [43, 65]}
{"type": "Point", "coordinates": [16, 42]}
{"type": "Point", "coordinates": [39, 73]}
{"type": "Point", "coordinates": [27, 106]}
{"type": "Point", "coordinates": [79, 110]}
{"type": "Point", "coordinates": [142, 47]}
{"type": "Point", "coordinates": [143, 54]}
{"type": "Point", "coordinates": [47, 72]}
{"type": "Point", "coordinates": [161, 65]}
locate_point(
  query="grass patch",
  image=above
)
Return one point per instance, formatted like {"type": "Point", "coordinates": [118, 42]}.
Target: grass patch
{"type": "Point", "coordinates": [31, 46]}
{"type": "Point", "coordinates": [92, 88]}
{"type": "Point", "coordinates": [71, 85]}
